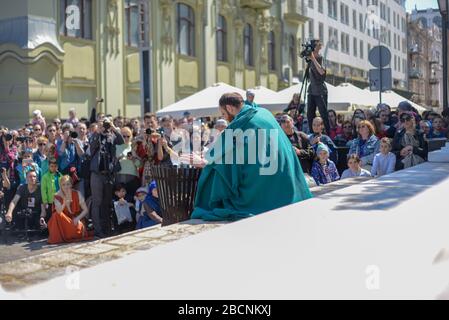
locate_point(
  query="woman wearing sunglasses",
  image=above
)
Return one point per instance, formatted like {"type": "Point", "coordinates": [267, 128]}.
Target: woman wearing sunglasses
{"type": "Point", "coordinates": [129, 162]}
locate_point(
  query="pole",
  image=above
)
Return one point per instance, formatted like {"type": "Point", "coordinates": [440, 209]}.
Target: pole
{"type": "Point", "coordinates": [380, 73]}
{"type": "Point", "coordinates": [380, 63]}
{"type": "Point", "coordinates": [445, 60]}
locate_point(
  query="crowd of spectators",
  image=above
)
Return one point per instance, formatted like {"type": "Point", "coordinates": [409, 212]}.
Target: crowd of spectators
{"type": "Point", "coordinates": [373, 142]}
{"type": "Point", "coordinates": [81, 179]}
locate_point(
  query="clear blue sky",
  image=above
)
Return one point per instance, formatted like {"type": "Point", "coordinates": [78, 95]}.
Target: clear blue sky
{"type": "Point", "coordinates": [422, 4]}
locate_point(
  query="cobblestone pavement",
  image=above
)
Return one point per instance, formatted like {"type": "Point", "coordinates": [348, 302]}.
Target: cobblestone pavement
{"type": "Point", "coordinates": [18, 274]}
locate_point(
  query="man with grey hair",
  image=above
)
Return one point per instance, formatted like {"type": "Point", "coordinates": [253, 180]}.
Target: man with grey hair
{"type": "Point", "coordinates": [73, 120]}
{"type": "Point", "coordinates": [250, 95]}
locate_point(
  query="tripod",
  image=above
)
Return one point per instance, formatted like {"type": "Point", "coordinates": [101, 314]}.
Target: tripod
{"type": "Point", "coordinates": [304, 86]}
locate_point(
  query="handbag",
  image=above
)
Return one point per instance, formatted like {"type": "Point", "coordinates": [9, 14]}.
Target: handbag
{"type": "Point", "coordinates": [122, 212]}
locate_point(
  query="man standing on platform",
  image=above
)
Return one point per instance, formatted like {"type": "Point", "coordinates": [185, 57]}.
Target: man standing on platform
{"type": "Point", "coordinates": [317, 95]}
{"type": "Point", "coordinates": [251, 168]}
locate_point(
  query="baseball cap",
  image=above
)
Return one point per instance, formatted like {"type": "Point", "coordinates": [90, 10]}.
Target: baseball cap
{"type": "Point", "coordinates": [142, 190]}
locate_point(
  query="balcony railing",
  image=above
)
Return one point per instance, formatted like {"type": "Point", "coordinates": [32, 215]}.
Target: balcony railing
{"type": "Point", "coordinates": [434, 59]}
{"type": "Point", "coordinates": [296, 11]}
{"type": "Point", "coordinates": [415, 49]}
{"type": "Point", "coordinates": [256, 4]}
{"type": "Point", "coordinates": [415, 74]}
{"type": "Point", "coordinates": [434, 80]}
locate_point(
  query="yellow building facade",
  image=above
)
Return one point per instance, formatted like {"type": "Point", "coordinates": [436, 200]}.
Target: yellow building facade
{"type": "Point", "coordinates": [139, 55]}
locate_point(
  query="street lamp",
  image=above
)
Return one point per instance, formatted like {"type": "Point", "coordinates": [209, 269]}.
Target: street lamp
{"type": "Point", "coordinates": [443, 5]}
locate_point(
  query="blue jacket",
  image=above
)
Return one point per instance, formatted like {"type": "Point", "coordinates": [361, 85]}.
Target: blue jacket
{"type": "Point", "coordinates": [319, 175]}
{"type": "Point", "coordinates": [367, 151]}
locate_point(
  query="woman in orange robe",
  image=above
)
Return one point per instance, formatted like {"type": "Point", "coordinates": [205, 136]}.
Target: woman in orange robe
{"type": "Point", "coordinates": [69, 209]}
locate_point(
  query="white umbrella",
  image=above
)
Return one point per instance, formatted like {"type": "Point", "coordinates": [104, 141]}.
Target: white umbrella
{"type": "Point", "coordinates": [268, 99]}
{"type": "Point", "coordinates": [334, 102]}
{"type": "Point", "coordinates": [201, 104]}
{"type": "Point", "coordinates": [393, 99]}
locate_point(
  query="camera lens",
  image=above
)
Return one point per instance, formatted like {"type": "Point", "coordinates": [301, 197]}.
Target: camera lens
{"type": "Point", "coordinates": [149, 131]}
{"type": "Point", "coordinates": [73, 135]}
{"type": "Point", "coordinates": [106, 125]}
{"type": "Point", "coordinates": [8, 137]}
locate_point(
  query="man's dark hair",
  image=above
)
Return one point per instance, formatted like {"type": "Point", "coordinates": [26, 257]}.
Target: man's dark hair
{"type": "Point", "coordinates": [314, 42]}
{"type": "Point", "coordinates": [445, 113]}
{"type": "Point", "coordinates": [233, 99]}
{"type": "Point", "coordinates": [52, 161]}
{"type": "Point", "coordinates": [149, 115]}
{"type": "Point", "coordinates": [119, 186]}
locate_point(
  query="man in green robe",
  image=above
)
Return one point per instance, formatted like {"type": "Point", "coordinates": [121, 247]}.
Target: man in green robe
{"type": "Point", "coordinates": [251, 168]}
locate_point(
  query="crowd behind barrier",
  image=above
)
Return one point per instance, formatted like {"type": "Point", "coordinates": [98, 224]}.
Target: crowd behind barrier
{"type": "Point", "coordinates": [82, 179]}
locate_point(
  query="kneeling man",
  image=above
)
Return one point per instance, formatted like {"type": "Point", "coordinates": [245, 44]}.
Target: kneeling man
{"type": "Point", "coordinates": [250, 169]}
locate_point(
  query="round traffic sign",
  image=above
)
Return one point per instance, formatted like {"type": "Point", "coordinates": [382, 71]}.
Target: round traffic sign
{"type": "Point", "coordinates": [380, 56]}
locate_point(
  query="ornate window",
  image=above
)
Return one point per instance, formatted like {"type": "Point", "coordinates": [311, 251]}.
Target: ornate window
{"type": "Point", "coordinates": [132, 23]}
{"type": "Point", "coordinates": [292, 54]}
{"type": "Point", "coordinates": [186, 30]}
{"type": "Point", "coordinates": [271, 51]}
{"type": "Point", "coordinates": [248, 40]}
{"type": "Point", "coordinates": [222, 37]}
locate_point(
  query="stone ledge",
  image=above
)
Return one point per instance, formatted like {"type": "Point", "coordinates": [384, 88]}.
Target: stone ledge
{"type": "Point", "coordinates": [16, 275]}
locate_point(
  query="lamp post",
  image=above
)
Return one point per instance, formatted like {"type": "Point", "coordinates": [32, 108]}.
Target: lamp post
{"type": "Point", "coordinates": [443, 6]}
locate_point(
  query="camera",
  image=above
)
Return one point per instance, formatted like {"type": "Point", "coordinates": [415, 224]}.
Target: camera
{"type": "Point", "coordinates": [22, 139]}
{"type": "Point", "coordinates": [74, 135]}
{"type": "Point", "coordinates": [149, 131]}
{"type": "Point", "coordinates": [106, 124]}
{"type": "Point", "coordinates": [8, 137]}
{"type": "Point", "coordinates": [309, 47]}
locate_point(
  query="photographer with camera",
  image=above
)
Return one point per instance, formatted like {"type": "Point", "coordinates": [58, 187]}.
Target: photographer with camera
{"type": "Point", "coordinates": [317, 93]}
{"type": "Point", "coordinates": [8, 157]}
{"type": "Point", "coordinates": [104, 166]}
{"type": "Point", "coordinates": [69, 150]}
{"type": "Point", "coordinates": [28, 196]}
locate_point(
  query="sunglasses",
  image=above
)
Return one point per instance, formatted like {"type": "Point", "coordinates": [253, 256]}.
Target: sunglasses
{"type": "Point", "coordinates": [347, 127]}
{"type": "Point", "coordinates": [360, 127]}
{"type": "Point", "coordinates": [126, 137]}
{"type": "Point", "coordinates": [42, 144]}
{"type": "Point", "coordinates": [405, 119]}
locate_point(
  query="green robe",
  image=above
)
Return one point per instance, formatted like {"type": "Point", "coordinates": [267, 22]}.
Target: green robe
{"type": "Point", "coordinates": [253, 104]}
{"type": "Point", "coordinates": [236, 191]}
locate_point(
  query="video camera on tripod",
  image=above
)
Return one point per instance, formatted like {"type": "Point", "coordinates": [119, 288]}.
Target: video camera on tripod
{"type": "Point", "coordinates": [309, 48]}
